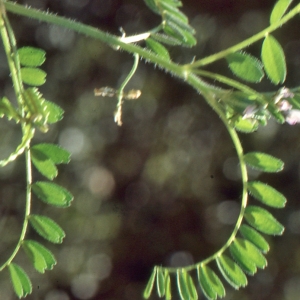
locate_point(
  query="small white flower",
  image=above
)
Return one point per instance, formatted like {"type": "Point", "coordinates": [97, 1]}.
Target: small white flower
{"type": "Point", "coordinates": [284, 105]}
{"type": "Point", "coordinates": [283, 93]}
{"type": "Point", "coordinates": [293, 116]}
{"type": "Point", "coordinates": [250, 111]}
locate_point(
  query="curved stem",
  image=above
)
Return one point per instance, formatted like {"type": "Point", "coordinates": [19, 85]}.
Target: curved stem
{"type": "Point", "coordinates": [244, 44]}
{"type": "Point", "coordinates": [118, 114]}
{"type": "Point", "coordinates": [27, 209]}
{"type": "Point", "coordinates": [9, 43]}
{"type": "Point", "coordinates": [211, 99]}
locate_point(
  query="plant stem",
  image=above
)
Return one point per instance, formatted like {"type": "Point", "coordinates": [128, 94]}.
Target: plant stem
{"type": "Point", "coordinates": [233, 83]}
{"type": "Point", "coordinates": [111, 40]}
{"type": "Point", "coordinates": [244, 44]}
{"type": "Point", "coordinates": [9, 43]}
{"type": "Point", "coordinates": [118, 114]}
{"type": "Point", "coordinates": [193, 80]}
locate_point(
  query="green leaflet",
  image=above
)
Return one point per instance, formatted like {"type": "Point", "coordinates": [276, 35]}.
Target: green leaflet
{"type": "Point", "coordinates": [191, 287]}
{"type": "Point", "coordinates": [7, 110]}
{"type": "Point", "coordinates": [31, 57]}
{"type": "Point", "coordinates": [41, 257]}
{"type": "Point", "coordinates": [173, 10]}
{"type": "Point", "coordinates": [46, 156]}
{"type": "Point", "coordinates": [183, 25]}
{"type": "Point", "coordinates": [168, 293]}
{"type": "Point", "coordinates": [247, 255]}
{"type": "Point", "coordinates": [149, 286]}
{"type": "Point", "coordinates": [47, 228]}
{"type": "Point", "coordinates": [255, 238]}
{"type": "Point", "coordinates": [20, 280]}
{"type": "Point", "coordinates": [160, 282]}
{"type": "Point", "coordinates": [245, 66]}
{"type": "Point", "coordinates": [158, 48]}
{"type": "Point", "coordinates": [273, 58]}
{"type": "Point", "coordinates": [177, 32]}
{"type": "Point", "coordinates": [54, 112]}
{"type": "Point", "coordinates": [245, 125]}
{"type": "Point", "coordinates": [57, 154]}
{"type": "Point", "coordinates": [152, 5]}
{"type": "Point", "coordinates": [33, 76]}
{"type": "Point", "coordinates": [166, 39]}
{"type": "Point", "coordinates": [279, 10]}
{"type": "Point", "coordinates": [263, 221]}
{"type": "Point", "coordinates": [52, 193]}
{"type": "Point", "coordinates": [36, 108]}
{"type": "Point", "coordinates": [185, 285]}
{"type": "Point", "coordinates": [231, 272]}
{"type": "Point", "coordinates": [266, 194]}
{"type": "Point", "coordinates": [210, 283]}
{"type": "Point", "coordinates": [263, 162]}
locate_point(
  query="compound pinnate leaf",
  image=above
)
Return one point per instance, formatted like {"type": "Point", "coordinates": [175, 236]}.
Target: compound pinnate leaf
{"type": "Point", "coordinates": [263, 162]}
{"type": "Point", "coordinates": [231, 272]}
{"type": "Point", "coordinates": [31, 57]}
{"type": "Point", "coordinates": [20, 280]}
{"type": "Point", "coordinates": [182, 285]}
{"type": "Point", "coordinates": [263, 221]}
{"type": "Point", "coordinates": [279, 10]}
{"type": "Point", "coordinates": [255, 238]}
{"type": "Point", "coordinates": [54, 112]}
{"type": "Point", "coordinates": [247, 255]}
{"type": "Point", "coordinates": [47, 228]}
{"type": "Point", "coordinates": [266, 194]}
{"type": "Point", "coordinates": [158, 48]}
{"type": "Point", "coordinates": [210, 283]}
{"type": "Point", "coordinates": [245, 66]}
{"type": "Point", "coordinates": [273, 58]}
{"type": "Point", "coordinates": [149, 286]}
{"type": "Point", "coordinates": [52, 193]}
{"type": "Point", "coordinates": [33, 76]}
{"type": "Point", "coordinates": [41, 257]}
{"type": "Point", "coordinates": [160, 282]}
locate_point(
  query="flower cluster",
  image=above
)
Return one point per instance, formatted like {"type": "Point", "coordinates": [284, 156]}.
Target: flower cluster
{"type": "Point", "coordinates": [292, 116]}
{"type": "Point", "coordinates": [282, 104]}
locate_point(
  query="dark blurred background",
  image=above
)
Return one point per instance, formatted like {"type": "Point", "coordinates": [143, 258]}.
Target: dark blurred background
{"type": "Point", "coordinates": [165, 187]}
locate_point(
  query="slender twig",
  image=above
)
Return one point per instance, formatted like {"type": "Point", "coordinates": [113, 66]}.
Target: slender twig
{"type": "Point", "coordinates": [118, 113]}
{"type": "Point", "coordinates": [9, 43]}
{"type": "Point", "coordinates": [246, 43]}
